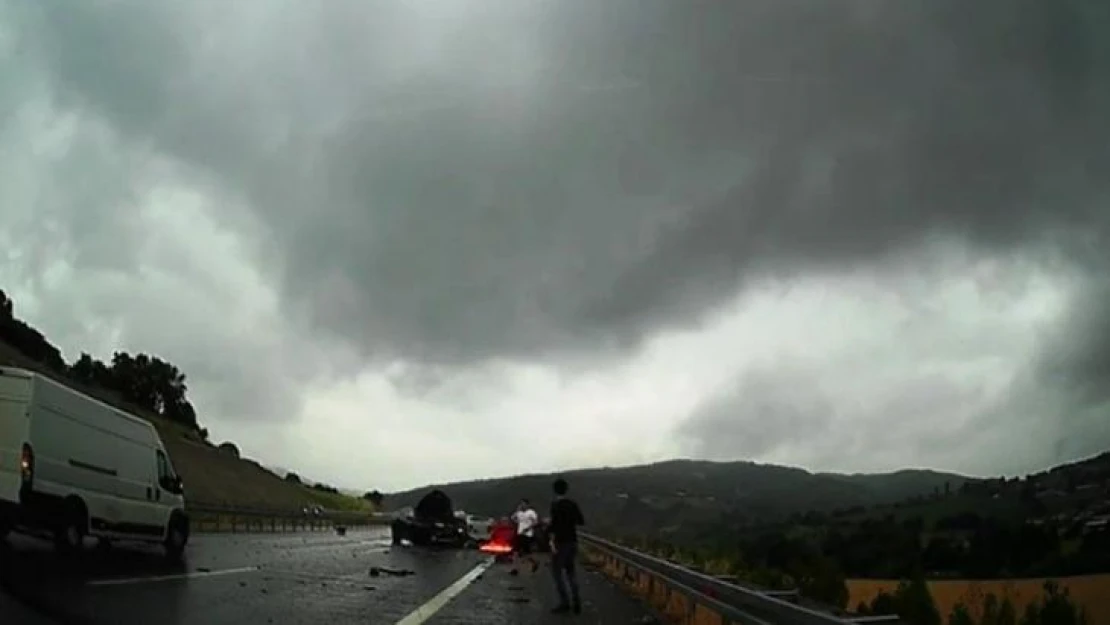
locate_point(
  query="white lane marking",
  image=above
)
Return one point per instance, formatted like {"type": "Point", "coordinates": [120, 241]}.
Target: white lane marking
{"type": "Point", "coordinates": [436, 603]}
{"type": "Point", "coordinates": [167, 578]}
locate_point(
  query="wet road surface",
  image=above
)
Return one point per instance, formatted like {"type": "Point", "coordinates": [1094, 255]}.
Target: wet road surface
{"type": "Point", "coordinates": [282, 579]}
{"type": "Point", "coordinates": [500, 598]}
{"type": "Point", "coordinates": [295, 578]}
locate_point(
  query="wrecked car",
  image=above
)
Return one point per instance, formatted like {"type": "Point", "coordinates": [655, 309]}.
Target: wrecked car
{"type": "Point", "coordinates": [432, 522]}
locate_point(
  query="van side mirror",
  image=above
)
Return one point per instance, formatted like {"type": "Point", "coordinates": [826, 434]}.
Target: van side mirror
{"type": "Point", "coordinates": [173, 485]}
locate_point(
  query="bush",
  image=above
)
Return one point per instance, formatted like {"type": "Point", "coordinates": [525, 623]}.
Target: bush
{"type": "Point", "coordinates": [960, 616]}
{"type": "Point", "coordinates": [998, 613]}
{"type": "Point", "coordinates": [1054, 608]}
{"type": "Point", "coordinates": [912, 602]}
{"type": "Point", "coordinates": [229, 448]}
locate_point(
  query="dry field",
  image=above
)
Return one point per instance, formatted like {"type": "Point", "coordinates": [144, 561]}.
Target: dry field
{"type": "Point", "coordinates": [1090, 591]}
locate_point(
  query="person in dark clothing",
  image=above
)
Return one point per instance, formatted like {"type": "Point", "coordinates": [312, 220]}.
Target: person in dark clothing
{"type": "Point", "coordinates": [563, 535]}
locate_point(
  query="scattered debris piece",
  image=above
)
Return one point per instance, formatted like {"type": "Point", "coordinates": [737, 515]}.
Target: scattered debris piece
{"type": "Point", "coordinates": [376, 571]}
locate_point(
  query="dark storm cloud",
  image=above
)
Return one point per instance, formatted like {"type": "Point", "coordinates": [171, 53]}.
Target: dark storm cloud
{"type": "Point", "coordinates": [560, 174]}
{"type": "Point", "coordinates": [448, 183]}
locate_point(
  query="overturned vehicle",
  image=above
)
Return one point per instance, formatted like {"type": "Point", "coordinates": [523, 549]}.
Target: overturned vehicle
{"type": "Point", "coordinates": [432, 522]}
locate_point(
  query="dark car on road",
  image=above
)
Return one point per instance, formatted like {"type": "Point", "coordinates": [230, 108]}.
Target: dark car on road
{"type": "Point", "coordinates": [433, 522]}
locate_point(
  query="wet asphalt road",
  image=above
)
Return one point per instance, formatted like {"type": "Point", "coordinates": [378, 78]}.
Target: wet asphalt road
{"type": "Point", "coordinates": [291, 578]}
{"type": "Point", "coordinates": [281, 579]}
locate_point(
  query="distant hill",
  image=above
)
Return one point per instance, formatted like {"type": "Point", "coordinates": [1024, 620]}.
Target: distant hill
{"type": "Point", "coordinates": [685, 494]}
{"type": "Point", "coordinates": [1050, 524]}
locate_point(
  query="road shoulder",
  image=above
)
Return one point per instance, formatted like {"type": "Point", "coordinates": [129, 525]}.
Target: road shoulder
{"type": "Point", "coordinates": [498, 597]}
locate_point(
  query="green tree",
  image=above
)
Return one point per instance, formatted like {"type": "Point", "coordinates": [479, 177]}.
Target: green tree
{"type": "Point", "coordinates": [91, 372]}
{"type": "Point", "coordinates": [822, 580]}
{"type": "Point", "coordinates": [960, 615]}
{"type": "Point", "coordinates": [1007, 614]}
{"type": "Point", "coordinates": [1057, 608]}
{"type": "Point", "coordinates": [1032, 615]}
{"type": "Point", "coordinates": [230, 449]}
{"type": "Point", "coordinates": [915, 604]}
{"type": "Point", "coordinates": [997, 612]}
{"type": "Point", "coordinates": [374, 497]}
{"type": "Point", "coordinates": [884, 604]}
{"type": "Point", "coordinates": [29, 341]}
{"type": "Point", "coordinates": [150, 383]}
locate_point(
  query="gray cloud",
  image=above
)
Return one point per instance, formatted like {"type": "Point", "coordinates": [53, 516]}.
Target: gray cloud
{"type": "Point", "coordinates": [765, 410]}
{"type": "Point", "coordinates": [923, 418]}
{"type": "Point", "coordinates": [450, 183]}
{"type": "Point", "coordinates": [426, 207]}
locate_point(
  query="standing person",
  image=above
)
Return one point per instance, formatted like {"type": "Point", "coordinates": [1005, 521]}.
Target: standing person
{"type": "Point", "coordinates": [566, 516]}
{"type": "Point", "coordinates": [526, 521]}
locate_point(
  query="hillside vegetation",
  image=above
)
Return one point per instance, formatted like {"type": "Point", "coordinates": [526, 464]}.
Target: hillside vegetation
{"type": "Point", "coordinates": [1047, 534]}
{"type": "Point", "coordinates": [156, 390]}
{"type": "Point", "coordinates": [680, 497]}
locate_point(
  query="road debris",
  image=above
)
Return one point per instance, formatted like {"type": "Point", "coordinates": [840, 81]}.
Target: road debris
{"type": "Point", "coordinates": [377, 571]}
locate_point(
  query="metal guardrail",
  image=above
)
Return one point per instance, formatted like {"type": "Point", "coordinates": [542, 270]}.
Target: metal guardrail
{"type": "Point", "coordinates": [694, 597]}
{"type": "Point", "coordinates": [222, 518]}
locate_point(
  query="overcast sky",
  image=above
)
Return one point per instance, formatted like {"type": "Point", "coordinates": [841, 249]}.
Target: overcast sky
{"type": "Point", "coordinates": [392, 243]}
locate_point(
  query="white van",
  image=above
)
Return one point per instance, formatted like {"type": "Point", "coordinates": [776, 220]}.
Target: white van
{"type": "Point", "coordinates": [73, 466]}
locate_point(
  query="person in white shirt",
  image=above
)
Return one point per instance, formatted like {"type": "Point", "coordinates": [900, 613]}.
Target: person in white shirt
{"type": "Point", "coordinates": [526, 520]}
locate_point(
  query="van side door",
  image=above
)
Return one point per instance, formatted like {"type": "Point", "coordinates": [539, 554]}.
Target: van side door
{"type": "Point", "coordinates": [162, 500]}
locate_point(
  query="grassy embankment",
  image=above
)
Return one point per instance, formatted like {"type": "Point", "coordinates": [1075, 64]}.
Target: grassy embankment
{"type": "Point", "coordinates": [210, 477]}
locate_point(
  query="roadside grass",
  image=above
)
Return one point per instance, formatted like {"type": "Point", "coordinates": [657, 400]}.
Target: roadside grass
{"type": "Point", "coordinates": [340, 501]}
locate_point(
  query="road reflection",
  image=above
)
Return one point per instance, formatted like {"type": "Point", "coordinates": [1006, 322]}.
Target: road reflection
{"type": "Point", "coordinates": [35, 574]}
